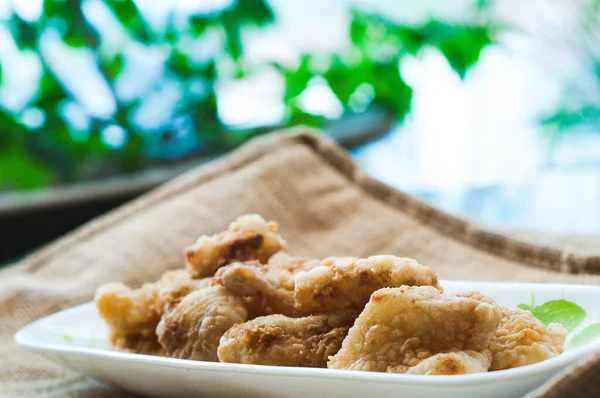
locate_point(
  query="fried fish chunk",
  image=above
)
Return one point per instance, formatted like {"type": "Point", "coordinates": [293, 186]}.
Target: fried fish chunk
{"type": "Point", "coordinates": [250, 237]}
{"type": "Point", "coordinates": [133, 314]}
{"type": "Point", "coordinates": [521, 340]}
{"type": "Point", "coordinates": [454, 363]}
{"type": "Point", "coordinates": [402, 327]}
{"type": "Point", "coordinates": [193, 327]}
{"type": "Point", "coordinates": [346, 282]}
{"type": "Point", "coordinates": [138, 342]}
{"type": "Point", "coordinates": [284, 341]}
{"type": "Point", "coordinates": [268, 288]}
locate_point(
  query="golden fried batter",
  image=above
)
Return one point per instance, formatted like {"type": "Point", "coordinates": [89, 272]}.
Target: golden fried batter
{"type": "Point", "coordinates": [142, 342]}
{"type": "Point", "coordinates": [283, 341]}
{"type": "Point", "coordinates": [250, 237]}
{"type": "Point", "coordinates": [454, 363]}
{"type": "Point", "coordinates": [402, 327]}
{"type": "Point", "coordinates": [192, 329]}
{"type": "Point", "coordinates": [243, 299]}
{"type": "Point", "coordinates": [268, 288]}
{"type": "Point", "coordinates": [132, 315]}
{"type": "Point", "coordinates": [476, 296]}
{"type": "Point", "coordinates": [128, 310]}
{"type": "Point", "coordinates": [521, 340]}
{"type": "Point", "coordinates": [345, 282]}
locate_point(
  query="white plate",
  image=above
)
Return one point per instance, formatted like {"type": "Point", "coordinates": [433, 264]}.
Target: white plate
{"type": "Point", "coordinates": [77, 339]}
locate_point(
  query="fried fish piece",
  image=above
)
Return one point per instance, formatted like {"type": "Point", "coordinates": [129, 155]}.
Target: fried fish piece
{"type": "Point", "coordinates": [140, 342]}
{"type": "Point", "coordinates": [346, 282]}
{"type": "Point", "coordinates": [402, 327]}
{"type": "Point", "coordinates": [250, 237]}
{"type": "Point", "coordinates": [133, 314]}
{"type": "Point", "coordinates": [128, 310]}
{"type": "Point", "coordinates": [284, 341]}
{"type": "Point", "coordinates": [521, 340]}
{"type": "Point", "coordinates": [193, 327]}
{"type": "Point", "coordinates": [476, 296]}
{"type": "Point", "coordinates": [454, 363]}
{"type": "Point", "coordinates": [268, 288]}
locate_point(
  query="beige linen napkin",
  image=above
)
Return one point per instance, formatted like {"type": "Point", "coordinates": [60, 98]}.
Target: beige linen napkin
{"type": "Point", "coordinates": [325, 205]}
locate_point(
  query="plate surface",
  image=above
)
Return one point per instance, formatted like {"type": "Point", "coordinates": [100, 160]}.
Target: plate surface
{"type": "Point", "coordinates": [78, 339]}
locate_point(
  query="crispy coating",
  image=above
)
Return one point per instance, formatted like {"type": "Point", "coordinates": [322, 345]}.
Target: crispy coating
{"type": "Point", "coordinates": [521, 340]}
{"type": "Point", "coordinates": [268, 288]}
{"type": "Point", "coordinates": [142, 342]}
{"type": "Point", "coordinates": [454, 363]}
{"type": "Point", "coordinates": [476, 296]}
{"type": "Point", "coordinates": [402, 327]}
{"type": "Point", "coordinates": [242, 299]}
{"type": "Point", "coordinates": [346, 282]}
{"type": "Point", "coordinates": [250, 237]}
{"type": "Point", "coordinates": [128, 310]}
{"type": "Point", "coordinates": [192, 329]}
{"type": "Point", "coordinates": [132, 314]}
{"type": "Point", "coordinates": [283, 341]}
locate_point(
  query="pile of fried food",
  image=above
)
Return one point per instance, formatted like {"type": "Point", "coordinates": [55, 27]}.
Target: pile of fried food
{"type": "Point", "coordinates": [243, 299]}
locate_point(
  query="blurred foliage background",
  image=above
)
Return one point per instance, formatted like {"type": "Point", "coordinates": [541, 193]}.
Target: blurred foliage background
{"type": "Point", "coordinates": [52, 139]}
{"type": "Point", "coordinates": [579, 108]}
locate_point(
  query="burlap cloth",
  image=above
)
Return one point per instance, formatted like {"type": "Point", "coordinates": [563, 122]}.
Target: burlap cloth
{"type": "Point", "coordinates": [325, 205]}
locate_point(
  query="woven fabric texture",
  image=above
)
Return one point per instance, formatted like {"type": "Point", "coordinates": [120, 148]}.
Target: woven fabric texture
{"type": "Point", "coordinates": [325, 205]}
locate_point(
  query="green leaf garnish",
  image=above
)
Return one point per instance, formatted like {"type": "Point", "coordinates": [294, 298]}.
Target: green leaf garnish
{"type": "Point", "coordinates": [569, 314]}
{"type": "Point", "coordinates": [589, 334]}
{"type": "Point", "coordinates": [525, 307]}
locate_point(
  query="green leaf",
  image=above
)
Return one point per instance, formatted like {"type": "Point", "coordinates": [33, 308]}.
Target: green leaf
{"type": "Point", "coordinates": [233, 38]}
{"type": "Point", "coordinates": [128, 14]}
{"type": "Point", "coordinates": [124, 10]}
{"type": "Point", "coordinates": [567, 118]}
{"type": "Point", "coordinates": [412, 40]}
{"type": "Point", "coordinates": [462, 51]}
{"type": "Point", "coordinates": [54, 8]}
{"type": "Point", "coordinates": [18, 169]}
{"type": "Point", "coordinates": [297, 116]}
{"type": "Point", "coordinates": [115, 66]}
{"type": "Point", "coordinates": [296, 80]}
{"type": "Point", "coordinates": [74, 38]}
{"type": "Point", "coordinates": [204, 113]}
{"type": "Point", "coordinates": [569, 314]}
{"type": "Point", "coordinates": [131, 154]}
{"type": "Point", "coordinates": [50, 92]}
{"type": "Point", "coordinates": [461, 45]}
{"type": "Point", "coordinates": [243, 12]}
{"type": "Point", "coordinates": [374, 37]}
{"type": "Point", "coordinates": [390, 89]}
{"type": "Point", "coordinates": [54, 146]}
{"type": "Point", "coordinates": [525, 307]}
{"type": "Point", "coordinates": [588, 335]}
{"type": "Point", "coordinates": [25, 34]}
{"type": "Point", "coordinates": [11, 130]}
{"type": "Point", "coordinates": [358, 27]}
{"type": "Point", "coordinates": [343, 79]}
{"type": "Point", "coordinates": [199, 23]}
{"type": "Point", "coordinates": [68, 17]}
{"type": "Point", "coordinates": [252, 11]}
{"type": "Point", "coordinates": [180, 64]}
